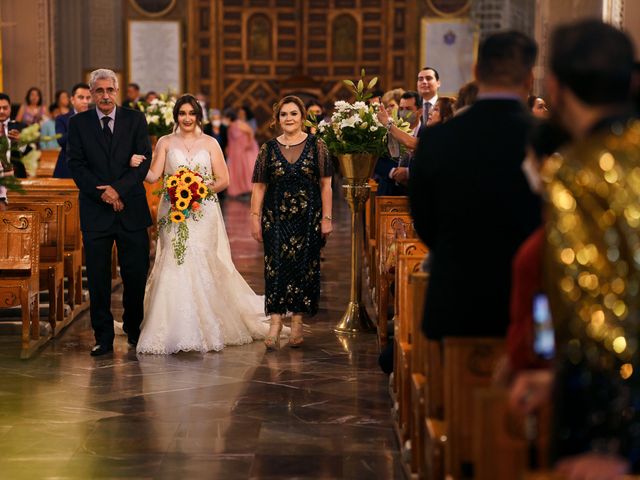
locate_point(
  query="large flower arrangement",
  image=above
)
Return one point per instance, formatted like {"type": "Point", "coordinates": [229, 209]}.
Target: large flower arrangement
{"type": "Point", "coordinates": [159, 115]}
{"type": "Point", "coordinates": [354, 127]}
{"type": "Point", "coordinates": [185, 190]}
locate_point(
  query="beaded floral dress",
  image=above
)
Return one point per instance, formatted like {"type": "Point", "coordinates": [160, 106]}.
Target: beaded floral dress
{"type": "Point", "coordinates": [291, 217]}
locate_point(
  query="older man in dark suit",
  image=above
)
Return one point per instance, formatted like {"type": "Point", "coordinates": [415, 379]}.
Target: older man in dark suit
{"type": "Point", "coordinates": [469, 198]}
{"type": "Point", "coordinates": [80, 99]}
{"type": "Point", "coordinates": [113, 205]}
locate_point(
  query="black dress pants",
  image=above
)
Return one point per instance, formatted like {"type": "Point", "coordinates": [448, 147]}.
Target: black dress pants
{"type": "Point", "coordinates": [133, 258]}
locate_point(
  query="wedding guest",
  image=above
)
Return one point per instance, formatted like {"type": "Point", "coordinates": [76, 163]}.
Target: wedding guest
{"type": "Point", "coordinates": [202, 100]}
{"type": "Point", "coordinates": [393, 174]}
{"type": "Point", "coordinates": [291, 213]}
{"type": "Point", "coordinates": [242, 151]}
{"type": "Point", "coordinates": [376, 96]}
{"type": "Point", "coordinates": [32, 110]}
{"type": "Point", "coordinates": [11, 130]}
{"type": "Point", "coordinates": [48, 129]}
{"type": "Point", "coordinates": [315, 112]}
{"type": "Point", "coordinates": [466, 178]}
{"type": "Point", "coordinates": [80, 99]}
{"type": "Point", "coordinates": [216, 129]}
{"type": "Point", "coordinates": [428, 84]}
{"type": "Point", "coordinates": [391, 99]}
{"type": "Point", "coordinates": [466, 97]}
{"type": "Point", "coordinates": [150, 97]}
{"type": "Point", "coordinates": [538, 106]}
{"type": "Point", "coordinates": [591, 259]}
{"type": "Point", "coordinates": [62, 102]}
{"type": "Point", "coordinates": [245, 114]}
{"type": "Point", "coordinates": [442, 111]}
{"type": "Point", "coordinates": [6, 169]}
{"type": "Point", "coordinates": [132, 96]}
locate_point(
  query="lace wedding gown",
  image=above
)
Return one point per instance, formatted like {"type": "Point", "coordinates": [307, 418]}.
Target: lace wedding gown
{"type": "Point", "coordinates": [203, 304]}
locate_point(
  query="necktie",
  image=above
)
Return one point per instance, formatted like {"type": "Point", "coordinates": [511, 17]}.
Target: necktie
{"type": "Point", "coordinates": [425, 113]}
{"type": "Point", "coordinates": [108, 134]}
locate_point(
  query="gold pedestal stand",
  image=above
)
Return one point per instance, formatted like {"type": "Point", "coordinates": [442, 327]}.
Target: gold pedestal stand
{"type": "Point", "coordinates": [356, 170]}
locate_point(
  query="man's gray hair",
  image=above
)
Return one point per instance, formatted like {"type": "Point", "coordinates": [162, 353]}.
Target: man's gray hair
{"type": "Point", "coordinates": [102, 73]}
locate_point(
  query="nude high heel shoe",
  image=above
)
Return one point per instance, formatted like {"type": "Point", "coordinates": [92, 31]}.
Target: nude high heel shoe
{"type": "Point", "coordinates": [272, 342]}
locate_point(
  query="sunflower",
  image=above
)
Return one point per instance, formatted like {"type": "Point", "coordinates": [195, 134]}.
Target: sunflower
{"type": "Point", "coordinates": [202, 190]}
{"type": "Point", "coordinates": [172, 181]}
{"type": "Point", "coordinates": [188, 178]}
{"type": "Point", "coordinates": [183, 193]}
{"type": "Point", "coordinates": [177, 217]}
{"type": "Point", "coordinates": [181, 170]}
{"type": "Point", "coordinates": [182, 204]}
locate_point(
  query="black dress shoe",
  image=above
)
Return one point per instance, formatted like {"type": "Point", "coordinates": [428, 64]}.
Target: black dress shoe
{"type": "Point", "coordinates": [132, 341]}
{"type": "Point", "coordinates": [101, 350]}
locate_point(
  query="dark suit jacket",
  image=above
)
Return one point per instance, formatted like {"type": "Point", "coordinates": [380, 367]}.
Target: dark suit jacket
{"type": "Point", "coordinates": [472, 206]}
{"type": "Point", "coordinates": [387, 186]}
{"type": "Point", "coordinates": [221, 138]}
{"type": "Point", "coordinates": [92, 162]}
{"type": "Point", "coordinates": [62, 128]}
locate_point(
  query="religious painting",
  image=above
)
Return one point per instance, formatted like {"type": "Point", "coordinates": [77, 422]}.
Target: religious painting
{"type": "Point", "coordinates": [450, 46]}
{"type": "Point", "coordinates": [344, 38]}
{"type": "Point", "coordinates": [259, 27]}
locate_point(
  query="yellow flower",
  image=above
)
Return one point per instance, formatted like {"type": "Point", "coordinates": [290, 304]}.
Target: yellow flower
{"type": "Point", "coordinates": [172, 181]}
{"type": "Point", "coordinates": [177, 217]}
{"type": "Point", "coordinates": [183, 193]}
{"type": "Point", "coordinates": [182, 204]}
{"type": "Point", "coordinates": [202, 190]}
{"type": "Point", "coordinates": [188, 179]}
{"type": "Point", "coordinates": [181, 170]}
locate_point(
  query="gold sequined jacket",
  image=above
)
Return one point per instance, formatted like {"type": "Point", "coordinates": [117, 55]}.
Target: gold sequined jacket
{"type": "Point", "coordinates": [592, 269]}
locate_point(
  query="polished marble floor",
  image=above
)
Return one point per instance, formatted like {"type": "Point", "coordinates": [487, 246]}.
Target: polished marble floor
{"type": "Point", "coordinates": [321, 412]}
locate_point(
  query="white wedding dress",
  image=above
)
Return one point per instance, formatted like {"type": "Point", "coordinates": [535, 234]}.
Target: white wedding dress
{"type": "Point", "coordinates": [203, 304]}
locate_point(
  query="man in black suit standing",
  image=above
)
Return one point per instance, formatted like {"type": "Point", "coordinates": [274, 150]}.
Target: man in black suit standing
{"type": "Point", "coordinates": [113, 205]}
{"type": "Point", "coordinates": [469, 197]}
{"type": "Point", "coordinates": [80, 99]}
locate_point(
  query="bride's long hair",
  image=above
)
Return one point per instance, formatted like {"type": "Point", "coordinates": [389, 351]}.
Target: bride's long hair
{"type": "Point", "coordinates": [187, 99]}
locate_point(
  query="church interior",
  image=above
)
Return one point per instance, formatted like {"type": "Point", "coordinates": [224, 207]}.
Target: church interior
{"type": "Point", "coordinates": [367, 395]}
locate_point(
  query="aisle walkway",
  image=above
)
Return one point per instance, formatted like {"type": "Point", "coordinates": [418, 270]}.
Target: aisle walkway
{"type": "Point", "coordinates": [318, 412]}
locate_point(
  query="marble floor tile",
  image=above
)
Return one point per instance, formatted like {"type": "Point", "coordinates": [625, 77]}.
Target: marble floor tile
{"type": "Point", "coordinates": [319, 412]}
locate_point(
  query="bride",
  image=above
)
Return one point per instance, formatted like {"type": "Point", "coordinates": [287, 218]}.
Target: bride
{"type": "Point", "coordinates": [195, 298]}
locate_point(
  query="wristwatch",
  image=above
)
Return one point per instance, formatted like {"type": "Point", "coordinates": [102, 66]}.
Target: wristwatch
{"type": "Point", "coordinates": [390, 124]}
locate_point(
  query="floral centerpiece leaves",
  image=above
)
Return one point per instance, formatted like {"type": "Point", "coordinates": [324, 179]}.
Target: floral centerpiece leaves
{"type": "Point", "coordinates": [185, 191]}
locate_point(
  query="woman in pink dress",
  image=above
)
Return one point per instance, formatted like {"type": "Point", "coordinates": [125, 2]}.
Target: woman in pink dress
{"type": "Point", "coordinates": [242, 151]}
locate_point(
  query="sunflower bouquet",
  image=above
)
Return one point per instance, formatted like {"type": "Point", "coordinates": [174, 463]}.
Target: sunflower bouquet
{"type": "Point", "coordinates": [185, 190]}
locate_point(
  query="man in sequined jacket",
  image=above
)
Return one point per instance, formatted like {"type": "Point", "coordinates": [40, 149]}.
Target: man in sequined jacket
{"type": "Point", "coordinates": [592, 259]}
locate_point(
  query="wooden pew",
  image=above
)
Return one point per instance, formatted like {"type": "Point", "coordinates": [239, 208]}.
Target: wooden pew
{"type": "Point", "coordinates": [391, 227]}
{"type": "Point", "coordinates": [417, 287]}
{"type": "Point", "coordinates": [468, 365]}
{"type": "Point", "coordinates": [51, 252]}
{"type": "Point", "coordinates": [380, 205]}
{"type": "Point", "coordinates": [500, 446]}
{"type": "Point", "coordinates": [47, 163]}
{"type": "Point", "coordinates": [19, 268]}
{"type": "Point", "coordinates": [54, 189]}
{"type": "Point", "coordinates": [410, 254]}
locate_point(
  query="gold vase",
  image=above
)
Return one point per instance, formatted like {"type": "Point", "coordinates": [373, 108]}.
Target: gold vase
{"type": "Point", "coordinates": [356, 169]}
